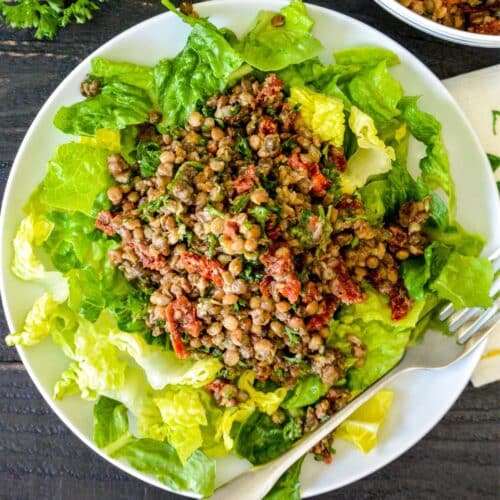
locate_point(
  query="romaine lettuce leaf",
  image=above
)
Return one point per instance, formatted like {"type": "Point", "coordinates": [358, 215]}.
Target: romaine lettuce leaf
{"type": "Point", "coordinates": [323, 115]}
{"type": "Point", "coordinates": [201, 70]}
{"type": "Point", "coordinates": [271, 48]}
{"type": "Point", "coordinates": [376, 308]}
{"type": "Point", "coordinates": [259, 439]}
{"type": "Point", "coordinates": [435, 166]}
{"type": "Point", "coordinates": [377, 93]}
{"type": "Point", "coordinates": [117, 106]}
{"type": "Point", "coordinates": [66, 185]}
{"type": "Point", "coordinates": [161, 460]}
{"type": "Point", "coordinates": [288, 485]}
{"type": "Point", "coordinates": [371, 158]}
{"type": "Point", "coordinates": [455, 236]}
{"type": "Point", "coordinates": [111, 433]}
{"type": "Point", "coordinates": [105, 139]}
{"type": "Point", "coordinates": [267, 402]}
{"type": "Point", "coordinates": [307, 391]}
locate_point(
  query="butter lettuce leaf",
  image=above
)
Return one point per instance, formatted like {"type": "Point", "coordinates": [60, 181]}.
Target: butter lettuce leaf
{"type": "Point", "coordinates": [66, 185]}
{"type": "Point", "coordinates": [117, 106]}
{"type": "Point", "coordinates": [272, 48]}
{"type": "Point", "coordinates": [202, 69]}
{"type": "Point", "coordinates": [362, 426]}
{"type": "Point", "coordinates": [183, 415]}
{"type": "Point", "coordinates": [465, 281]}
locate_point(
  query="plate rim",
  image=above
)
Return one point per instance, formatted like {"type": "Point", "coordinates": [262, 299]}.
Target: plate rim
{"type": "Point", "coordinates": [125, 467]}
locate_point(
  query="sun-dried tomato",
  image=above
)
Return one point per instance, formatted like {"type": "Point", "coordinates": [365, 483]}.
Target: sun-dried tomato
{"type": "Point", "coordinates": [265, 286]}
{"type": "Point", "coordinates": [310, 293]}
{"type": "Point", "coordinates": [149, 261]}
{"type": "Point", "coordinates": [328, 307]}
{"type": "Point", "coordinates": [344, 287]}
{"type": "Point", "coordinates": [277, 266]}
{"type": "Point", "coordinates": [246, 180]}
{"type": "Point", "coordinates": [267, 126]}
{"type": "Point", "coordinates": [290, 288]}
{"type": "Point", "coordinates": [337, 157]}
{"type": "Point", "coordinates": [104, 222]}
{"type": "Point", "coordinates": [319, 183]}
{"type": "Point", "coordinates": [400, 301]}
{"type": "Point", "coordinates": [209, 269]}
{"type": "Point", "coordinates": [231, 229]}
{"type": "Point", "coordinates": [181, 317]}
{"type": "Point", "coordinates": [272, 87]}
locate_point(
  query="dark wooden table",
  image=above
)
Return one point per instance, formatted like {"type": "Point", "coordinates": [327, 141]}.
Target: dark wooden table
{"type": "Point", "coordinates": [40, 458]}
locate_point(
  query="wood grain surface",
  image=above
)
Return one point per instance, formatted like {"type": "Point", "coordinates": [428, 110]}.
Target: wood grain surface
{"type": "Point", "coordinates": [41, 459]}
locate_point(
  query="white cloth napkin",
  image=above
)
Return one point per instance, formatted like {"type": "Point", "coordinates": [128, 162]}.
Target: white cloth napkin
{"type": "Point", "coordinates": [466, 89]}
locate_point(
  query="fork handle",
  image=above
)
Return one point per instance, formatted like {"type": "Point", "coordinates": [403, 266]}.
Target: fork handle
{"type": "Point", "coordinates": [256, 483]}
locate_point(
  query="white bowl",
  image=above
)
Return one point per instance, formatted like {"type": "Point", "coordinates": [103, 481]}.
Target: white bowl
{"type": "Point", "coordinates": [420, 400]}
{"type": "Point", "coordinates": [432, 28]}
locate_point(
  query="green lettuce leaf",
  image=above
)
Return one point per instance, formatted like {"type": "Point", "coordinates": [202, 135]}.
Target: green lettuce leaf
{"type": "Point", "coordinates": [307, 391]}
{"type": "Point", "coordinates": [366, 56]}
{"type": "Point", "coordinates": [465, 281]}
{"type": "Point", "coordinates": [161, 460]}
{"type": "Point", "coordinates": [66, 185]}
{"type": "Point", "coordinates": [271, 48]}
{"type": "Point", "coordinates": [111, 433]}
{"type": "Point", "coordinates": [435, 166]}
{"type": "Point", "coordinates": [456, 237]}
{"type": "Point", "coordinates": [110, 424]}
{"type": "Point", "coordinates": [117, 106]}
{"type": "Point", "coordinates": [376, 308]}
{"type": "Point", "coordinates": [259, 439]}
{"type": "Point", "coordinates": [385, 346]}
{"type": "Point", "coordinates": [201, 70]}
{"type": "Point", "coordinates": [377, 93]}
{"type": "Point", "coordinates": [231, 416]}
{"type": "Point", "coordinates": [131, 74]}
{"type": "Point", "coordinates": [288, 485]}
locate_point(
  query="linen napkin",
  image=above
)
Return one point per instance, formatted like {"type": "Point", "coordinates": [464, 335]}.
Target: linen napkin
{"type": "Point", "coordinates": [481, 114]}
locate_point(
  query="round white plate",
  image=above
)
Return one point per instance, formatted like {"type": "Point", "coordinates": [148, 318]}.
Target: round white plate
{"type": "Point", "coordinates": [432, 28]}
{"type": "Point", "coordinates": [420, 400]}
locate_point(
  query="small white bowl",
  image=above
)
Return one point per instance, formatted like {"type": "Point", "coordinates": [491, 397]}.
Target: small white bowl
{"type": "Point", "coordinates": [432, 28]}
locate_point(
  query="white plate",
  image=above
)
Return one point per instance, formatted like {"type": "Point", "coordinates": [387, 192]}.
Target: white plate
{"type": "Point", "coordinates": [421, 400]}
{"type": "Point", "coordinates": [432, 28]}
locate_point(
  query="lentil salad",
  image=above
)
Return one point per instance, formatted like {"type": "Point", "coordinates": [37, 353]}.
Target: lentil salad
{"type": "Point", "coordinates": [253, 250]}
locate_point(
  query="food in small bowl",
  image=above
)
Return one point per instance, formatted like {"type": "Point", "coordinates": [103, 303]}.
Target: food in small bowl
{"type": "Point", "coordinates": [237, 246]}
{"type": "Point", "coordinates": [475, 16]}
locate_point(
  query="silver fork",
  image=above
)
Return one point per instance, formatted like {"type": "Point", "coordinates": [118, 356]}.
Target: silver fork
{"type": "Point", "coordinates": [433, 353]}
